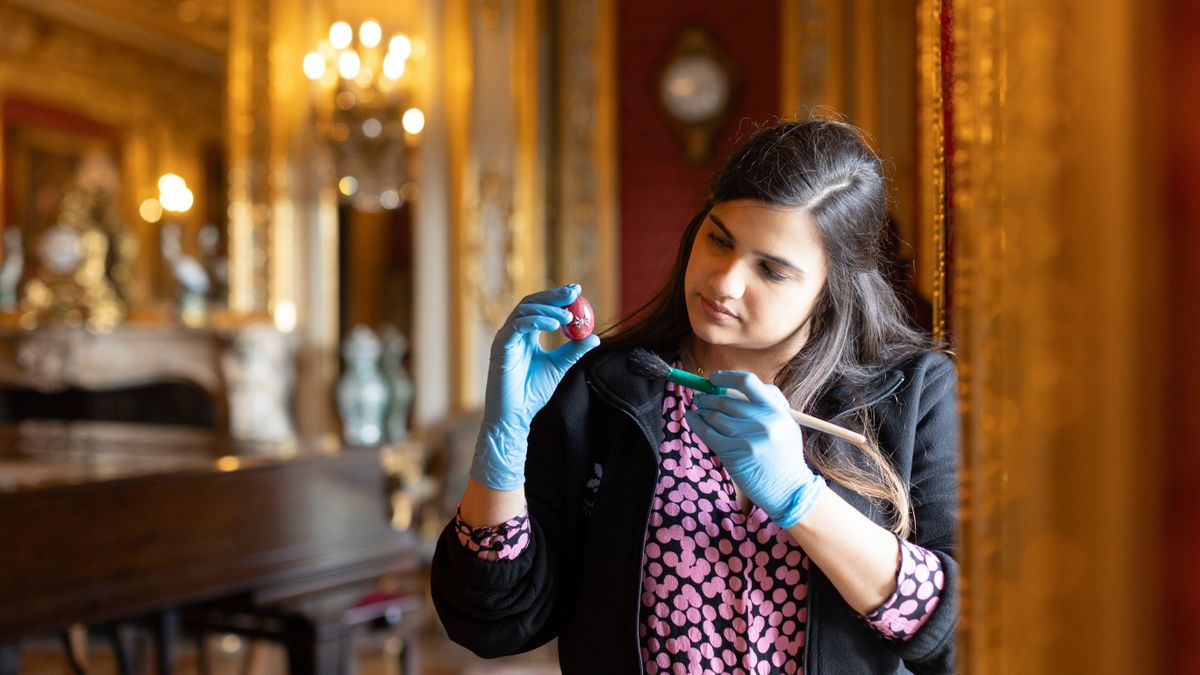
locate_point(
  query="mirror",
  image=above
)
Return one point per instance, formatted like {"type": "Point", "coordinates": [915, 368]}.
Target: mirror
{"type": "Point", "coordinates": [113, 162]}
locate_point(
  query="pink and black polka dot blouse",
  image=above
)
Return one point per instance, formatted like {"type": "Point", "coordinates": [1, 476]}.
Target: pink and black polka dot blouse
{"type": "Point", "coordinates": [724, 590]}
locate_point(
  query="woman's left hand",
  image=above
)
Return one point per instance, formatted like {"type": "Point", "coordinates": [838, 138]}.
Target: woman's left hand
{"type": "Point", "coordinates": [760, 445]}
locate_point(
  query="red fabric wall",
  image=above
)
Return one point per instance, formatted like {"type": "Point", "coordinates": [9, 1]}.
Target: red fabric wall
{"type": "Point", "coordinates": [1182, 527]}
{"type": "Point", "coordinates": [659, 189]}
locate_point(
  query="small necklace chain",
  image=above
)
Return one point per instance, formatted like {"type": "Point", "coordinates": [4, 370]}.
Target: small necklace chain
{"type": "Point", "coordinates": [695, 361]}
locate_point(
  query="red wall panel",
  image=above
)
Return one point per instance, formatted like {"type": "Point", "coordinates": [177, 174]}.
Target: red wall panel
{"type": "Point", "coordinates": [659, 189]}
{"type": "Point", "coordinates": [1181, 554]}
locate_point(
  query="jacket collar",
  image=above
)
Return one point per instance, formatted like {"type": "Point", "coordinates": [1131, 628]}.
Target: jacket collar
{"type": "Point", "coordinates": [843, 399]}
{"type": "Point", "coordinates": [637, 395]}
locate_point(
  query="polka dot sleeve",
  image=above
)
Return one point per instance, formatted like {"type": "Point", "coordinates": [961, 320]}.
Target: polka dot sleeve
{"type": "Point", "coordinates": [505, 541]}
{"type": "Point", "coordinates": [919, 584]}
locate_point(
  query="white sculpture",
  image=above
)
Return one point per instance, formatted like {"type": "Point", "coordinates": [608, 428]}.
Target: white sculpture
{"type": "Point", "coordinates": [217, 265]}
{"type": "Point", "coordinates": [362, 393]}
{"type": "Point", "coordinates": [188, 272]}
{"type": "Point", "coordinates": [258, 370]}
{"type": "Point", "coordinates": [10, 271]}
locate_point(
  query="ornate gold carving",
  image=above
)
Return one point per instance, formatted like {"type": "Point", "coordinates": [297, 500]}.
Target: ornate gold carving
{"type": "Point", "coordinates": [497, 185]}
{"type": "Point", "coordinates": [813, 52]}
{"type": "Point", "coordinates": [489, 247]}
{"type": "Point", "coordinates": [586, 224]}
{"type": "Point", "coordinates": [931, 167]}
{"type": "Point", "coordinates": [1055, 253]}
{"type": "Point", "coordinates": [989, 414]}
{"type": "Point", "coordinates": [101, 78]}
{"type": "Point", "coordinates": [248, 123]}
{"type": "Point", "coordinates": [191, 33]}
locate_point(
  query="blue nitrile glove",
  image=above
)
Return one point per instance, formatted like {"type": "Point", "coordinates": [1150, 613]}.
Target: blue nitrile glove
{"type": "Point", "coordinates": [521, 378]}
{"type": "Point", "coordinates": [760, 445]}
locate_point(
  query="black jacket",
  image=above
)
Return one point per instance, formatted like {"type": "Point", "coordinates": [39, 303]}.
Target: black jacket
{"type": "Point", "coordinates": [580, 579]}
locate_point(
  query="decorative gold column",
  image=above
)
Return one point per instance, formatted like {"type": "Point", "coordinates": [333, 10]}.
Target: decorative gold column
{"type": "Point", "coordinates": [459, 75]}
{"type": "Point", "coordinates": [855, 58]}
{"type": "Point", "coordinates": [247, 119]}
{"type": "Point", "coordinates": [1058, 247]}
{"type": "Point", "coordinates": [498, 190]}
{"type": "Point", "coordinates": [283, 221]}
{"type": "Point", "coordinates": [866, 80]}
{"type": "Point", "coordinates": [587, 228]}
{"type": "Point", "coordinates": [812, 48]}
{"type": "Point", "coordinates": [301, 237]}
{"type": "Point", "coordinates": [529, 212]}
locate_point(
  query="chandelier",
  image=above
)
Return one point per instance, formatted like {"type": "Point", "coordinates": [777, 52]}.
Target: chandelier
{"type": "Point", "coordinates": [367, 114]}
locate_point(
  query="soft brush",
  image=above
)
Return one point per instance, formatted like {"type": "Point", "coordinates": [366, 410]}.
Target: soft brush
{"type": "Point", "coordinates": [648, 364]}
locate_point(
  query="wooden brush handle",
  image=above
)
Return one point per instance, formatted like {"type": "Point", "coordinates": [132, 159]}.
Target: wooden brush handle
{"type": "Point", "coordinates": [815, 423]}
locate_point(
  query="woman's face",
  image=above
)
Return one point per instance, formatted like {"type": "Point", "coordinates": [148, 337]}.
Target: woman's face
{"type": "Point", "coordinates": [754, 274]}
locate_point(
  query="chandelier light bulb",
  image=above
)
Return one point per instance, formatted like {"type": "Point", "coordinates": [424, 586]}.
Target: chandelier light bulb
{"type": "Point", "coordinates": [314, 66]}
{"type": "Point", "coordinates": [173, 195]}
{"type": "Point", "coordinates": [369, 33]}
{"type": "Point", "coordinates": [389, 199]}
{"type": "Point", "coordinates": [413, 121]}
{"type": "Point", "coordinates": [348, 65]}
{"type": "Point", "coordinates": [184, 200]}
{"type": "Point", "coordinates": [368, 78]}
{"type": "Point", "coordinates": [169, 182]}
{"type": "Point", "coordinates": [393, 66]}
{"type": "Point", "coordinates": [400, 45]}
{"type": "Point", "coordinates": [150, 210]}
{"type": "Point", "coordinates": [177, 201]}
{"type": "Point", "coordinates": [340, 34]}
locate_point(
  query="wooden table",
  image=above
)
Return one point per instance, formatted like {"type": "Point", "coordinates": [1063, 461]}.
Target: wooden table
{"type": "Point", "coordinates": [101, 522]}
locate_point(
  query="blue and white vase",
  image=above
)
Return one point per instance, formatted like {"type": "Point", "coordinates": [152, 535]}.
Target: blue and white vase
{"type": "Point", "coordinates": [362, 392]}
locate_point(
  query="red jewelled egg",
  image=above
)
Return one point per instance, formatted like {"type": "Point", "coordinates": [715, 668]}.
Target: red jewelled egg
{"type": "Point", "coordinates": [582, 321]}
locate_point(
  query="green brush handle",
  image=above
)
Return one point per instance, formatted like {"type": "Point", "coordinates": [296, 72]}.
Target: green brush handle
{"type": "Point", "coordinates": [694, 381]}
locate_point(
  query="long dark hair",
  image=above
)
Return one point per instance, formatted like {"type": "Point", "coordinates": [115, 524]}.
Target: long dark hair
{"type": "Point", "coordinates": [858, 324]}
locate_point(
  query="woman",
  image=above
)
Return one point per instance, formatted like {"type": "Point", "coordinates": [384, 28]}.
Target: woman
{"type": "Point", "coordinates": [651, 528]}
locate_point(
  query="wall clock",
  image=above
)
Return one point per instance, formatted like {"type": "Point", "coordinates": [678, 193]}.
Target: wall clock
{"type": "Point", "coordinates": [696, 87]}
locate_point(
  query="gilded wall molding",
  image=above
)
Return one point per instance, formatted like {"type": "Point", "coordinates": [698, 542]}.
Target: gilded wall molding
{"type": "Point", "coordinates": [813, 69]}
{"type": "Point", "coordinates": [529, 197]}
{"type": "Point", "coordinates": [192, 33]}
{"type": "Point", "coordinates": [586, 227]}
{"type": "Point", "coordinates": [248, 123]}
{"type": "Point", "coordinates": [459, 71]}
{"type": "Point", "coordinates": [854, 58]}
{"type": "Point", "coordinates": [1055, 268]}
{"type": "Point", "coordinates": [498, 184]}
{"type": "Point", "coordinates": [931, 164]}
{"type": "Point", "coordinates": [299, 284]}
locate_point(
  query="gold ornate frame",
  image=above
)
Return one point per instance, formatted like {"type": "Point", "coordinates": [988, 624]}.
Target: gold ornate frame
{"type": "Point", "coordinates": [1056, 267]}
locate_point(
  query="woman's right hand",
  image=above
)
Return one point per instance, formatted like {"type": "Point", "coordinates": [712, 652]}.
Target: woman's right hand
{"type": "Point", "coordinates": [521, 378]}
